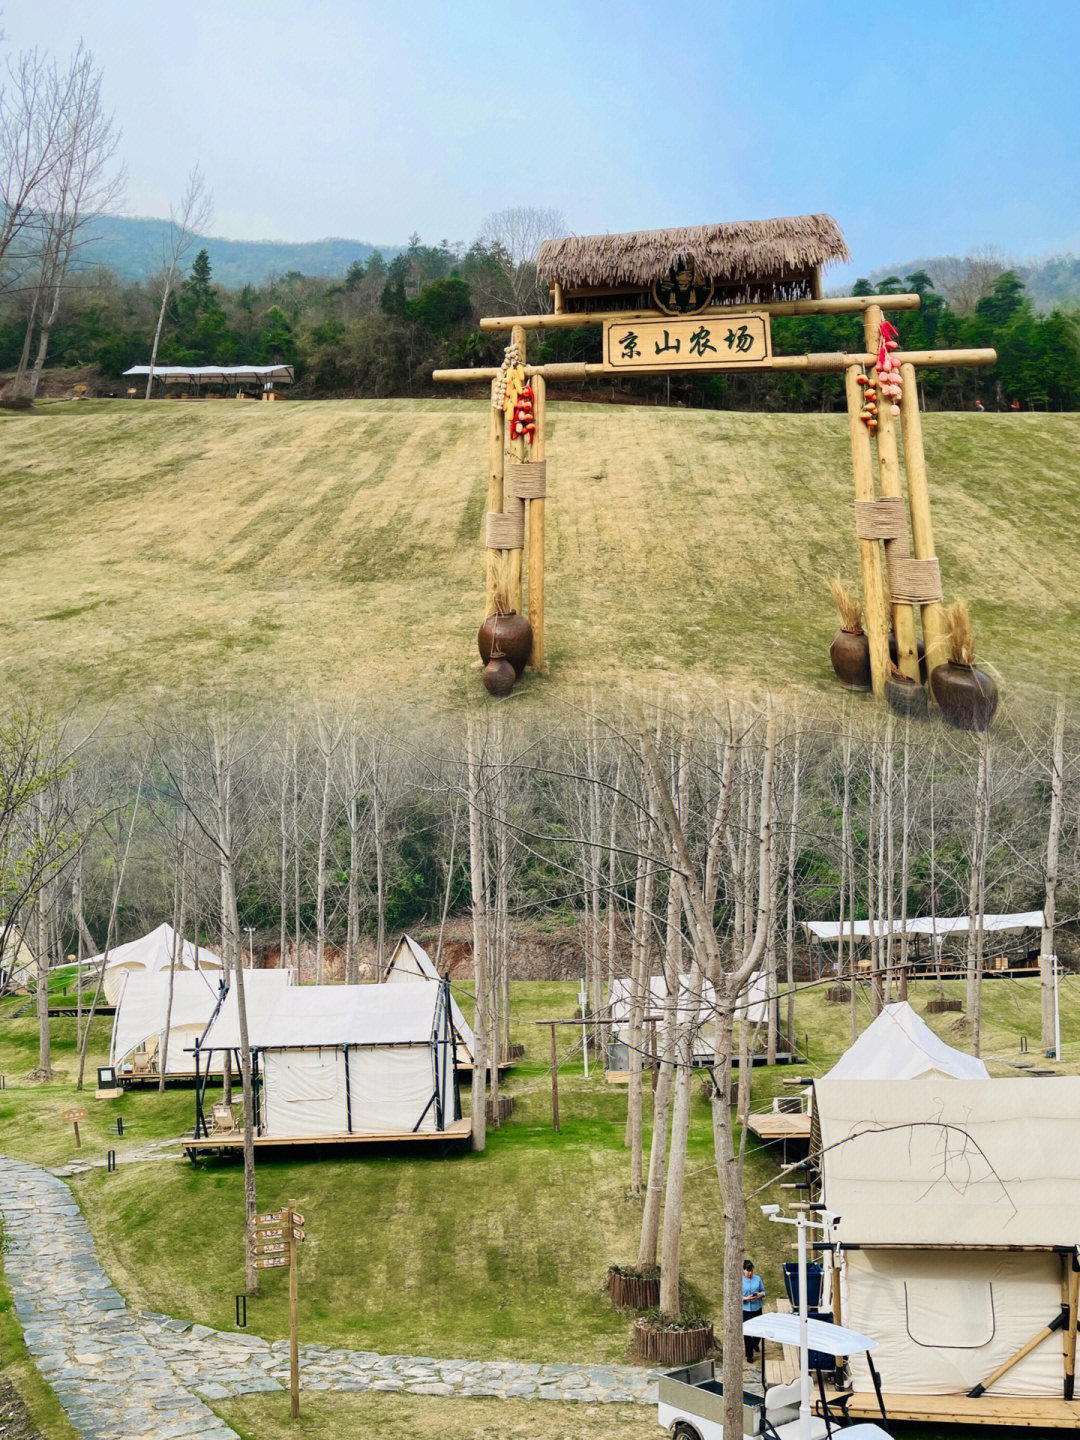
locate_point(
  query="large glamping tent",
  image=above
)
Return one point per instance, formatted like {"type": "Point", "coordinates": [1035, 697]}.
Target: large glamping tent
{"type": "Point", "coordinates": [348, 1061]}
{"type": "Point", "coordinates": [959, 1222]}
{"type": "Point", "coordinates": [696, 1002]}
{"type": "Point", "coordinates": [151, 953]}
{"type": "Point", "coordinates": [411, 962]}
{"type": "Point", "coordinates": [145, 1015]}
{"type": "Point", "coordinates": [899, 1045]}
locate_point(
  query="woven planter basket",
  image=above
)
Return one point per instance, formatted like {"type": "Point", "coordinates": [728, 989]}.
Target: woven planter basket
{"type": "Point", "coordinates": [937, 1007]}
{"type": "Point", "coordinates": [672, 1347]}
{"type": "Point", "coordinates": [838, 994]}
{"type": "Point", "coordinates": [633, 1292]}
{"type": "Point", "coordinates": [505, 1107]}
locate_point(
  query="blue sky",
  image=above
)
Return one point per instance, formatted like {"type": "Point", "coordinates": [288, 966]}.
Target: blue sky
{"type": "Point", "coordinates": [935, 128]}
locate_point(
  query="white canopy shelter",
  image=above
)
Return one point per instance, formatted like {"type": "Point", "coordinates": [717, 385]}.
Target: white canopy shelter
{"type": "Point", "coordinates": [783, 1328]}
{"type": "Point", "coordinates": [899, 1045]}
{"type": "Point", "coordinates": [959, 1210]}
{"type": "Point", "coordinates": [411, 962]}
{"type": "Point", "coordinates": [215, 374]}
{"type": "Point", "coordinates": [138, 1037]}
{"type": "Point", "coordinates": [152, 953]}
{"type": "Point", "coordinates": [341, 1060]}
{"type": "Point", "coordinates": [938, 927]}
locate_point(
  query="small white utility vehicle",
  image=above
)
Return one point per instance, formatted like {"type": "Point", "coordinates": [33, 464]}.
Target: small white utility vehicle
{"type": "Point", "coordinates": [692, 1399]}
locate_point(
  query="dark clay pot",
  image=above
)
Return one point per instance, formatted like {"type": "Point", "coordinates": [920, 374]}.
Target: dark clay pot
{"type": "Point", "coordinates": [894, 654]}
{"type": "Point", "coordinates": [906, 697]}
{"type": "Point", "coordinates": [498, 676]}
{"type": "Point", "coordinates": [968, 697]}
{"type": "Point", "coordinates": [515, 639]}
{"type": "Point", "coordinates": [850, 656]}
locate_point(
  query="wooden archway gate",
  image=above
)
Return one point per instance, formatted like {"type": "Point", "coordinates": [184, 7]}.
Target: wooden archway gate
{"type": "Point", "coordinates": [899, 572]}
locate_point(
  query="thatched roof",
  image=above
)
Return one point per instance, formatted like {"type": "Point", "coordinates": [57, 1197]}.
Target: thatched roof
{"type": "Point", "coordinates": [736, 252]}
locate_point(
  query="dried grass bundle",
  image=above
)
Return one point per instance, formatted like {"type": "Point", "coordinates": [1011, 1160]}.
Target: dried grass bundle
{"type": "Point", "coordinates": [739, 250]}
{"type": "Point", "coordinates": [961, 636]}
{"type": "Point", "coordinates": [848, 608]}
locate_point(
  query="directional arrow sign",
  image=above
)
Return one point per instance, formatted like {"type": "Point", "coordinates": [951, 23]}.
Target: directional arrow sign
{"type": "Point", "coordinates": [298, 1234]}
{"type": "Point", "coordinates": [297, 1218]}
{"type": "Point", "coordinates": [276, 1217]}
{"type": "Point", "coordinates": [269, 1232]}
{"type": "Point", "coordinates": [269, 1249]}
{"type": "Point", "coordinates": [271, 1262]}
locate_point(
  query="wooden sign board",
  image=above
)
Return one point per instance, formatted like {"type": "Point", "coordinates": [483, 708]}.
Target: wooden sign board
{"type": "Point", "coordinates": [275, 1217]}
{"type": "Point", "coordinates": [74, 1115]}
{"type": "Point", "coordinates": [271, 1262]}
{"type": "Point", "coordinates": [699, 342]}
{"type": "Point", "coordinates": [281, 1248]}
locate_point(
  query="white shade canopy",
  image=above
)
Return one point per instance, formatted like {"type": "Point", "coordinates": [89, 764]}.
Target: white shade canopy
{"type": "Point", "coordinates": [938, 926]}
{"type": "Point", "coordinates": [820, 1334]}
{"type": "Point", "coordinates": [899, 1045]}
{"type": "Point", "coordinates": [215, 374]}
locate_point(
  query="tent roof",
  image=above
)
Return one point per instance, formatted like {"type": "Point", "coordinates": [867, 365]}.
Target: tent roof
{"type": "Point", "coordinates": [226, 373]}
{"type": "Point", "coordinates": [144, 1001]}
{"type": "Point", "coordinates": [734, 251]}
{"type": "Point", "coordinates": [412, 960]}
{"type": "Point", "coordinates": [899, 1045]}
{"type": "Point", "coordinates": [154, 952]}
{"type": "Point", "coordinates": [313, 1015]}
{"type": "Point", "coordinates": [925, 925]}
{"type": "Point", "coordinates": [970, 1162]}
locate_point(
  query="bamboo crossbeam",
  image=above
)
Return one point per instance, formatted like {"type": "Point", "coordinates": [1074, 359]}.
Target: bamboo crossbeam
{"type": "Point", "coordinates": [831, 305]}
{"type": "Point", "coordinates": [834, 362]}
{"type": "Point", "coordinates": [496, 450]}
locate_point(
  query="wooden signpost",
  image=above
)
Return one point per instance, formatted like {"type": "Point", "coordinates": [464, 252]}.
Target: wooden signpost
{"type": "Point", "coordinates": [272, 1241]}
{"type": "Point", "coordinates": [72, 1117]}
{"type": "Point", "coordinates": [698, 343]}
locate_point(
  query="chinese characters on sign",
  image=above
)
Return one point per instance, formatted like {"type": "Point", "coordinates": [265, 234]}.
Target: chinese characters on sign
{"type": "Point", "coordinates": [703, 343]}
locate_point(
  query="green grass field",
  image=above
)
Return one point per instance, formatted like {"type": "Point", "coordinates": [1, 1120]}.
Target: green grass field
{"type": "Point", "coordinates": [171, 549]}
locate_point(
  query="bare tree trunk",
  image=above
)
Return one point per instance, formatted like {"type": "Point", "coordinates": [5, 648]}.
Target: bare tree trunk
{"type": "Point", "coordinates": [283, 894]}
{"type": "Point", "coordinates": [479, 917]}
{"type": "Point", "coordinates": [791, 857]}
{"type": "Point", "coordinates": [904, 862]}
{"type": "Point", "coordinates": [179, 922]}
{"type": "Point", "coordinates": [1053, 843]}
{"type": "Point", "coordinates": [673, 1197]}
{"type": "Point", "coordinates": [44, 1069]}
{"type": "Point", "coordinates": [889, 856]}
{"type": "Point", "coordinates": [378, 837]}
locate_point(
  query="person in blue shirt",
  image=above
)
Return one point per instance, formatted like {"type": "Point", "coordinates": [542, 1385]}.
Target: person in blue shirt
{"type": "Point", "coordinates": [753, 1298]}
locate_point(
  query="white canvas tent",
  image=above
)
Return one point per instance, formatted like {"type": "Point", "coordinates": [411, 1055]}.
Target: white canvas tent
{"type": "Point", "coordinates": [349, 1060]}
{"type": "Point", "coordinates": [938, 927]}
{"type": "Point", "coordinates": [696, 1000]}
{"type": "Point", "coordinates": [959, 1210]}
{"type": "Point", "coordinates": [899, 1045]}
{"type": "Point", "coordinates": [18, 962]}
{"type": "Point", "coordinates": [411, 962]}
{"type": "Point", "coordinates": [138, 1037]}
{"type": "Point", "coordinates": [151, 953]}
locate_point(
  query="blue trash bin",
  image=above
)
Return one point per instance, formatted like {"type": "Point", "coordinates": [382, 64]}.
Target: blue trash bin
{"type": "Point", "coordinates": [813, 1285]}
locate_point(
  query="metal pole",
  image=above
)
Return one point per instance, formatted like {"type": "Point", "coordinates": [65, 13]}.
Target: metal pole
{"type": "Point", "coordinates": [1057, 1011]}
{"type": "Point", "coordinates": [804, 1350]}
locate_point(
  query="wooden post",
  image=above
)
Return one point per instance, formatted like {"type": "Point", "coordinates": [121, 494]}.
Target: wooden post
{"type": "Point", "coordinates": [877, 625]}
{"type": "Point", "coordinates": [922, 531]}
{"type": "Point", "coordinates": [496, 462]}
{"type": "Point", "coordinates": [903, 614]}
{"type": "Point", "coordinates": [554, 1082]}
{"type": "Point", "coordinates": [536, 532]}
{"type": "Point", "coordinates": [1070, 1343]}
{"type": "Point", "coordinates": [515, 506]}
{"type": "Point", "coordinates": [78, 1142]}
{"type": "Point", "coordinates": [557, 298]}
{"type": "Point", "coordinates": [294, 1322]}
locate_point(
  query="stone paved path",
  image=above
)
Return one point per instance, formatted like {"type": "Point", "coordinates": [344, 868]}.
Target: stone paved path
{"type": "Point", "coordinates": [138, 1376]}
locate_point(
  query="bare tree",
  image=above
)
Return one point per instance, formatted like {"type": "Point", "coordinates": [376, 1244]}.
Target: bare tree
{"type": "Point", "coordinates": [187, 221]}
{"type": "Point", "coordinates": [1053, 857]}
{"type": "Point", "coordinates": [513, 237]}
{"type": "Point", "coordinates": [33, 100]}
{"type": "Point", "coordinates": [965, 282]}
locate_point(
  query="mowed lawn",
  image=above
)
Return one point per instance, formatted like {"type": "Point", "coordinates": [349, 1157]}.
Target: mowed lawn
{"type": "Point", "coordinates": [174, 548]}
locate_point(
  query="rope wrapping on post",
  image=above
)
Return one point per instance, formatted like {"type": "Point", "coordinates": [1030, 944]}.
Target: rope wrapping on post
{"type": "Point", "coordinates": [884, 519]}
{"type": "Point", "coordinates": [915, 582]}
{"type": "Point", "coordinates": [504, 532]}
{"type": "Point", "coordinates": [526, 481]}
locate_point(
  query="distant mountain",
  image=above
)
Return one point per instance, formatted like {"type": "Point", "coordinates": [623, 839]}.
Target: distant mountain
{"type": "Point", "coordinates": [1052, 284]}
{"type": "Point", "coordinates": [132, 247]}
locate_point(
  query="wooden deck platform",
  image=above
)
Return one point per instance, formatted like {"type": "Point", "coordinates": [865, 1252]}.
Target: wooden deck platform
{"type": "Point", "coordinates": [1017, 1412]}
{"type": "Point", "coordinates": [780, 1125]}
{"type": "Point", "coordinates": [71, 1012]}
{"type": "Point", "coordinates": [457, 1130]}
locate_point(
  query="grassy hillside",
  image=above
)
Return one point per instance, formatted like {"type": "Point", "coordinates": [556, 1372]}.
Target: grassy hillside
{"type": "Point", "coordinates": [174, 547]}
